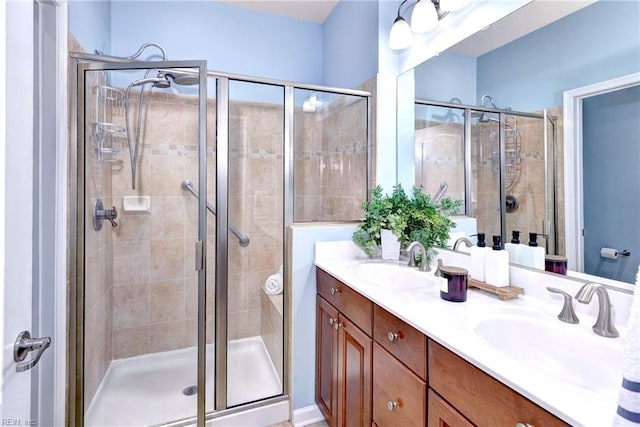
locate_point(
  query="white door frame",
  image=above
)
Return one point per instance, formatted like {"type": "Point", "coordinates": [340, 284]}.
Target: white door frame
{"type": "Point", "coordinates": [573, 191]}
{"type": "Point", "coordinates": [53, 125]}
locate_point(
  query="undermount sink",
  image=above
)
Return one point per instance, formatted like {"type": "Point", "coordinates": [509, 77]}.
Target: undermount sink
{"type": "Point", "coordinates": [388, 274]}
{"type": "Point", "coordinates": [558, 350]}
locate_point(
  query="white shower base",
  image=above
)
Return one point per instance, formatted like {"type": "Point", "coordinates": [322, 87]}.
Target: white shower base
{"type": "Point", "coordinates": [147, 390]}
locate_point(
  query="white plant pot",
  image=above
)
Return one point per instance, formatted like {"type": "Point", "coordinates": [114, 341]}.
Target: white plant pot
{"type": "Point", "coordinates": [390, 245]}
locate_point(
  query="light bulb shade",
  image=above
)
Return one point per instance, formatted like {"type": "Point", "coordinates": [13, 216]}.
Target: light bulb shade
{"type": "Point", "coordinates": [400, 36]}
{"type": "Point", "coordinates": [452, 5]}
{"type": "Point", "coordinates": [424, 16]}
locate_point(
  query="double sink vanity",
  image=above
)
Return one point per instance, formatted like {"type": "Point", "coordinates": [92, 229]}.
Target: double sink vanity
{"type": "Point", "coordinates": [391, 352]}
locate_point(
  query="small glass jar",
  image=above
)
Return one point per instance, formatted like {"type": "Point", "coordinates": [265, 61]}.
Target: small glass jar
{"type": "Point", "coordinates": [556, 264]}
{"type": "Point", "coordinates": [455, 289]}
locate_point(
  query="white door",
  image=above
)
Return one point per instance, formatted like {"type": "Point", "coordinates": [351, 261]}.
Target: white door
{"type": "Point", "coordinates": [16, 170]}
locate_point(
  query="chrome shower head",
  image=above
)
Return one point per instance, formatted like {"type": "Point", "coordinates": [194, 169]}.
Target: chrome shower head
{"type": "Point", "coordinates": [182, 79]}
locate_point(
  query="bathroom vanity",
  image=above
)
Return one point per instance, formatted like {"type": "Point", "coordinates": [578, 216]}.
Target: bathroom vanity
{"type": "Point", "coordinates": [390, 352]}
{"type": "Point", "coordinates": [378, 370]}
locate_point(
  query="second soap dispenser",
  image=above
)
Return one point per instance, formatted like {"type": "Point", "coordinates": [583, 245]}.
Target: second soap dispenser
{"type": "Point", "coordinates": [514, 247]}
{"type": "Point", "coordinates": [477, 262]}
{"type": "Point", "coordinates": [533, 255]}
{"type": "Point", "coordinates": [496, 267]}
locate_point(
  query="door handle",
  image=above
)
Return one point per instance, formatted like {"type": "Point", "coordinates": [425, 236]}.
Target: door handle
{"type": "Point", "coordinates": [24, 345]}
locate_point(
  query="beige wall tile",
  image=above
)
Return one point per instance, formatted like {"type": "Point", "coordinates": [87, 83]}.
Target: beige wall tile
{"type": "Point", "coordinates": [167, 301]}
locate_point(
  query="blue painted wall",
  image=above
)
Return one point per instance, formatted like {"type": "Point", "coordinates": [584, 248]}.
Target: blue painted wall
{"type": "Point", "coordinates": [342, 52]}
{"type": "Point", "coordinates": [597, 43]}
{"type": "Point", "coordinates": [350, 44]}
{"type": "Point", "coordinates": [232, 39]}
{"type": "Point", "coordinates": [90, 23]}
{"type": "Point", "coordinates": [611, 180]}
{"type": "Point", "coordinates": [304, 306]}
{"type": "Point", "coordinates": [447, 76]}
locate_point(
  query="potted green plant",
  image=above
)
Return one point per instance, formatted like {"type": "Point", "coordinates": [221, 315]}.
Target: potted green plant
{"type": "Point", "coordinates": [415, 218]}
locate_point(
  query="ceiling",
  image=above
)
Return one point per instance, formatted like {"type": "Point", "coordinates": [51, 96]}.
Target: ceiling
{"type": "Point", "coordinates": [307, 10]}
{"type": "Point", "coordinates": [528, 18]}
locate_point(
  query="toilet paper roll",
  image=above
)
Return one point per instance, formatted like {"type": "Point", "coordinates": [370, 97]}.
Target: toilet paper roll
{"type": "Point", "coordinates": [609, 253]}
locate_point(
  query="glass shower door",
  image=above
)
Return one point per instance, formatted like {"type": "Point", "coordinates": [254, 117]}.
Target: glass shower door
{"type": "Point", "coordinates": [255, 242]}
{"type": "Point", "coordinates": [141, 209]}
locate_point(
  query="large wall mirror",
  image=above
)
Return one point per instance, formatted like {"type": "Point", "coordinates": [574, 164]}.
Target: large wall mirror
{"type": "Point", "coordinates": [486, 119]}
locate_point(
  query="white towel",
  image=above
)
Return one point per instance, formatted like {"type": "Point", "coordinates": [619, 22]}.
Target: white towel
{"type": "Point", "coordinates": [274, 284]}
{"type": "Point", "coordinates": [628, 413]}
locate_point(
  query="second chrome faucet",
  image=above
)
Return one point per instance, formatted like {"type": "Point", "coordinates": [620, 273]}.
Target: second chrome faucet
{"type": "Point", "coordinates": [604, 325]}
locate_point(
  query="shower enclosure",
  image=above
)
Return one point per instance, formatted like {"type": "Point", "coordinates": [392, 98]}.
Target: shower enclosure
{"type": "Point", "coordinates": [501, 163]}
{"type": "Point", "coordinates": [183, 188]}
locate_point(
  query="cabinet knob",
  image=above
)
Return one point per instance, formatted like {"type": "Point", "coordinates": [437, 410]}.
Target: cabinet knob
{"type": "Point", "coordinates": [337, 325]}
{"type": "Point", "coordinates": [392, 405]}
{"type": "Point", "coordinates": [523, 425]}
{"type": "Point", "coordinates": [393, 336]}
{"type": "Point", "coordinates": [333, 291]}
{"type": "Point", "coordinates": [332, 320]}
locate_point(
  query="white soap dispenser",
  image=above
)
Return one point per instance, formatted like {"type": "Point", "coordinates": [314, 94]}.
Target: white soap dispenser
{"type": "Point", "coordinates": [477, 253]}
{"type": "Point", "coordinates": [533, 255]}
{"type": "Point", "coordinates": [514, 247]}
{"type": "Point", "coordinates": [496, 266]}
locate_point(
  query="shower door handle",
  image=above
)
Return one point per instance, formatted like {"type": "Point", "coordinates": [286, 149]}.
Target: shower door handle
{"type": "Point", "coordinates": [24, 345]}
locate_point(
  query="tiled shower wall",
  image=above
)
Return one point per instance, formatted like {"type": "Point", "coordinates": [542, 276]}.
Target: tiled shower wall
{"type": "Point", "coordinates": [154, 279]}
{"type": "Point", "coordinates": [330, 160]}
{"type": "Point", "coordinates": [440, 157]}
{"type": "Point", "coordinates": [255, 208]}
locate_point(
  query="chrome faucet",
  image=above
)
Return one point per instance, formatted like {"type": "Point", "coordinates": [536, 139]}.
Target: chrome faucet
{"type": "Point", "coordinates": [424, 264]}
{"type": "Point", "coordinates": [604, 324]}
{"type": "Point", "coordinates": [567, 314]}
{"type": "Point", "coordinates": [464, 240]}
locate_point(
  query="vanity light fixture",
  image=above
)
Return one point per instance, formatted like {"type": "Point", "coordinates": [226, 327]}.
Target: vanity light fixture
{"type": "Point", "coordinates": [424, 17]}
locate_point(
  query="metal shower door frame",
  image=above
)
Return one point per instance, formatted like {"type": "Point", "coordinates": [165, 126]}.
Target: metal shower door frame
{"type": "Point", "coordinates": [85, 63]}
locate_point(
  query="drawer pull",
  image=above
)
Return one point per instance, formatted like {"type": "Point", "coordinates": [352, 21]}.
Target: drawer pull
{"type": "Point", "coordinates": [393, 336]}
{"type": "Point", "coordinates": [337, 325]}
{"type": "Point", "coordinates": [332, 320]}
{"type": "Point", "coordinates": [392, 405]}
{"type": "Point", "coordinates": [523, 425]}
{"type": "Point", "coordinates": [333, 291]}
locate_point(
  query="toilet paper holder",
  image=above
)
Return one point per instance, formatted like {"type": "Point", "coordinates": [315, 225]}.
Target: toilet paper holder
{"type": "Point", "coordinates": [613, 253]}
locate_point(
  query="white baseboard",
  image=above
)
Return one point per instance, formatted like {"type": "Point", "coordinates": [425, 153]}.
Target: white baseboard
{"type": "Point", "coordinates": [307, 415]}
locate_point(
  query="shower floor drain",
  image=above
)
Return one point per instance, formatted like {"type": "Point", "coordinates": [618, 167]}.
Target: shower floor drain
{"type": "Point", "coordinates": [190, 391]}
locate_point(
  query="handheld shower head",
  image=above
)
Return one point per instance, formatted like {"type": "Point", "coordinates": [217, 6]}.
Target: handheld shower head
{"type": "Point", "coordinates": [161, 82]}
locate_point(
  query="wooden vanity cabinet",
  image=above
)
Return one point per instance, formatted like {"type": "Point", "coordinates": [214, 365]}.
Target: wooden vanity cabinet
{"type": "Point", "coordinates": [399, 372]}
{"type": "Point", "coordinates": [343, 377]}
{"type": "Point", "coordinates": [374, 369]}
{"type": "Point", "coordinates": [441, 414]}
{"type": "Point", "coordinates": [482, 399]}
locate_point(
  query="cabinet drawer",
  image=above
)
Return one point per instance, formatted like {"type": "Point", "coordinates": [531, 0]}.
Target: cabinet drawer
{"type": "Point", "coordinates": [440, 413]}
{"type": "Point", "coordinates": [403, 341]}
{"type": "Point", "coordinates": [354, 306]}
{"type": "Point", "coordinates": [399, 396]}
{"type": "Point", "coordinates": [479, 397]}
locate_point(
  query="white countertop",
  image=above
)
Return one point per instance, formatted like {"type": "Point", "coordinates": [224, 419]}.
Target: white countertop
{"type": "Point", "coordinates": [453, 326]}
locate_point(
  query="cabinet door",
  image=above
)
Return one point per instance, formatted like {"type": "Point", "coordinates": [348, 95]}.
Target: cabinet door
{"type": "Point", "coordinates": [441, 414]}
{"type": "Point", "coordinates": [354, 376]}
{"type": "Point", "coordinates": [327, 359]}
{"type": "Point", "coordinates": [399, 395]}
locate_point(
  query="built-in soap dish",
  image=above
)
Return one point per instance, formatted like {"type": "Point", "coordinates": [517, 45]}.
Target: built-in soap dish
{"type": "Point", "coordinates": [136, 204]}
